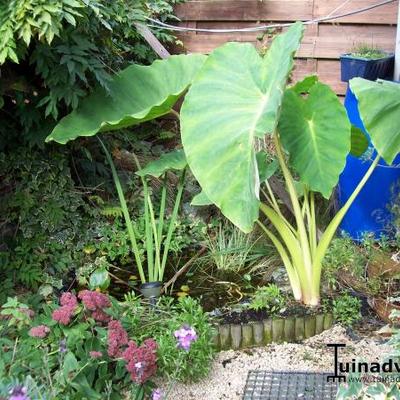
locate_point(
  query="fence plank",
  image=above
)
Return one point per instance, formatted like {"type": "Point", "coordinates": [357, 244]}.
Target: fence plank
{"type": "Point", "coordinates": [329, 73]}
{"type": "Point", "coordinates": [311, 47]}
{"type": "Point", "coordinates": [245, 10]}
{"type": "Point", "coordinates": [386, 14]}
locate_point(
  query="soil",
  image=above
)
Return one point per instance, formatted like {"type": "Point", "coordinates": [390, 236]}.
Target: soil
{"type": "Point", "coordinates": [248, 315]}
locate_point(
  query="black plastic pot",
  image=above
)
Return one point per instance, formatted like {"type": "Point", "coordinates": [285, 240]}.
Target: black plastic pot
{"type": "Point", "coordinates": [371, 69]}
{"type": "Point", "coordinates": [151, 290]}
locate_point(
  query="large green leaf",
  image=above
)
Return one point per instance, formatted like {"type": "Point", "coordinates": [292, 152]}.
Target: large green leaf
{"type": "Point", "coordinates": [316, 132]}
{"type": "Point", "coordinates": [137, 94]}
{"type": "Point", "coordinates": [379, 107]}
{"type": "Point", "coordinates": [235, 98]}
{"type": "Point", "coordinates": [175, 160]}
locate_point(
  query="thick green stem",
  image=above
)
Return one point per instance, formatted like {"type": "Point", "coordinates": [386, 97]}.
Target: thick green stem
{"type": "Point", "coordinates": [302, 232]}
{"type": "Point", "coordinates": [125, 212]}
{"type": "Point", "coordinates": [162, 210]}
{"type": "Point", "coordinates": [291, 271]}
{"type": "Point", "coordinates": [148, 234]}
{"type": "Point", "coordinates": [157, 245]}
{"type": "Point", "coordinates": [313, 225]}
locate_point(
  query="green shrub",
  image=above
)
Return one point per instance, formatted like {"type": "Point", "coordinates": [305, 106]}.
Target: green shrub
{"type": "Point", "coordinates": [64, 48]}
{"type": "Point", "coordinates": [346, 309]}
{"type": "Point", "coordinates": [45, 216]}
{"type": "Point", "coordinates": [268, 298]}
{"type": "Point", "coordinates": [343, 254]}
{"type": "Point", "coordinates": [195, 364]}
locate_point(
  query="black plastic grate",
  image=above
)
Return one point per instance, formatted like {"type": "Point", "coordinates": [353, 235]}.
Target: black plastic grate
{"type": "Point", "coordinates": [280, 385]}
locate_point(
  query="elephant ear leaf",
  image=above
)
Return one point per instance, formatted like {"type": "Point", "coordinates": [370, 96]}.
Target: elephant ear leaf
{"type": "Point", "coordinates": [174, 160]}
{"type": "Point", "coordinates": [359, 142]}
{"type": "Point", "coordinates": [137, 94]}
{"type": "Point", "coordinates": [235, 98]}
{"type": "Point", "coordinates": [379, 107]}
{"type": "Point", "coordinates": [316, 132]}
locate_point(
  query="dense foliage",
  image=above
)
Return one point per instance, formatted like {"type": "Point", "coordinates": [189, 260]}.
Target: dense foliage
{"type": "Point", "coordinates": [53, 229]}
{"type": "Point", "coordinates": [93, 345]}
{"type": "Point", "coordinates": [52, 54]}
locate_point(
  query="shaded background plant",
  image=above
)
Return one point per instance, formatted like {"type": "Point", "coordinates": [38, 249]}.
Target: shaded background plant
{"type": "Point", "coordinates": [54, 53]}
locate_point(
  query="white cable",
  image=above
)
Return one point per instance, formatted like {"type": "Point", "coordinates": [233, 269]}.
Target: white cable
{"type": "Point", "coordinates": [339, 7]}
{"type": "Point", "coordinates": [165, 26]}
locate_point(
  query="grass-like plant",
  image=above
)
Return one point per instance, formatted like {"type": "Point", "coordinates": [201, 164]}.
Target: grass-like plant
{"type": "Point", "coordinates": [156, 243]}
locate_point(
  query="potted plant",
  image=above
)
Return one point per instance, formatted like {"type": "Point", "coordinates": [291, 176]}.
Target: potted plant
{"type": "Point", "coordinates": [157, 244]}
{"type": "Point", "coordinates": [366, 62]}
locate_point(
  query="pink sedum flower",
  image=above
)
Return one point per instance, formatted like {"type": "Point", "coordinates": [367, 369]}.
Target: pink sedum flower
{"type": "Point", "coordinates": [40, 331]}
{"type": "Point", "coordinates": [93, 300]}
{"type": "Point", "coordinates": [69, 304]}
{"type": "Point", "coordinates": [117, 338]}
{"type": "Point", "coordinates": [63, 315]}
{"type": "Point", "coordinates": [68, 299]}
{"type": "Point", "coordinates": [96, 302]}
{"type": "Point", "coordinates": [100, 316]}
{"type": "Point", "coordinates": [141, 360]}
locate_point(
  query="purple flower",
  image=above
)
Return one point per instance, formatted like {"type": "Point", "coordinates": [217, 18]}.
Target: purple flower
{"type": "Point", "coordinates": [63, 346]}
{"type": "Point", "coordinates": [157, 394]}
{"type": "Point", "coordinates": [185, 336]}
{"type": "Point", "coordinates": [19, 393]}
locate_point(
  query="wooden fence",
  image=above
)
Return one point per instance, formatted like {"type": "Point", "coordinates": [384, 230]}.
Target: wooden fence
{"type": "Point", "coordinates": [323, 43]}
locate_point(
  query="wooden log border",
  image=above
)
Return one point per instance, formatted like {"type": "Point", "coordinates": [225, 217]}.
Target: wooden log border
{"type": "Point", "coordinates": [277, 330]}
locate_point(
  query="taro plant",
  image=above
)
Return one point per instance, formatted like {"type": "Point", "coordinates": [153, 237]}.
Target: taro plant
{"type": "Point", "coordinates": [239, 98]}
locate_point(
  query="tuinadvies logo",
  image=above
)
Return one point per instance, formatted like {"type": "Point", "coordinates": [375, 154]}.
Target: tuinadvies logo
{"type": "Point", "coordinates": [341, 368]}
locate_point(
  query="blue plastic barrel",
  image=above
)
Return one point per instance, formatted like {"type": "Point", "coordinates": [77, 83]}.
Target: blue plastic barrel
{"type": "Point", "coordinates": [370, 212]}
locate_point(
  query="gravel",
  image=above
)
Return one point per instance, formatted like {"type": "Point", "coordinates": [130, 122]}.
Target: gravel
{"type": "Point", "coordinates": [229, 369]}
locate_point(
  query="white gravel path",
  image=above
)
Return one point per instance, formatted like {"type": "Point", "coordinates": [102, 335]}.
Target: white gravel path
{"type": "Point", "coordinates": [229, 370]}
